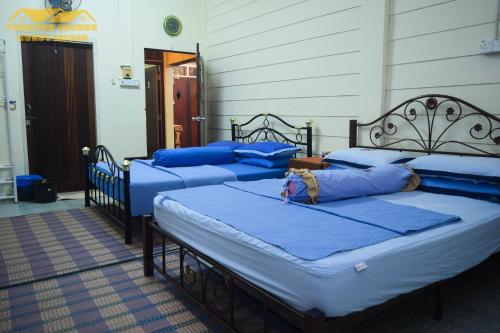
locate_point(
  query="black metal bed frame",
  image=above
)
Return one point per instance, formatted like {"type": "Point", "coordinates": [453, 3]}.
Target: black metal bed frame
{"type": "Point", "coordinates": [106, 192]}
{"type": "Point", "coordinates": [267, 133]}
{"type": "Point", "coordinates": [314, 320]}
{"type": "Point", "coordinates": [426, 137]}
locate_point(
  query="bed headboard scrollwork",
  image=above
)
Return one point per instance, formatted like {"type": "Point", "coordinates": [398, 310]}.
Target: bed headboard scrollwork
{"type": "Point", "coordinates": [432, 123]}
{"type": "Point", "coordinates": [300, 136]}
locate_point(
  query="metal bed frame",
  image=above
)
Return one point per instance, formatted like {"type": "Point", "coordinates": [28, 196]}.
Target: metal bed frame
{"type": "Point", "coordinates": [197, 268]}
{"type": "Point", "coordinates": [112, 193]}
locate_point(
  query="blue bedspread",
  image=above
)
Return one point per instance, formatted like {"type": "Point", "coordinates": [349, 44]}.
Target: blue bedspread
{"type": "Point", "coordinates": [200, 175]}
{"type": "Point", "coordinates": [147, 180]}
{"type": "Point", "coordinates": [307, 232]}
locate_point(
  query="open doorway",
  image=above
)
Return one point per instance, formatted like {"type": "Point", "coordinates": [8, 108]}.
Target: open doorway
{"type": "Point", "coordinates": [172, 99]}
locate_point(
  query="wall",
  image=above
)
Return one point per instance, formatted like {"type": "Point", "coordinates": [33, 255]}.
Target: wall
{"type": "Point", "coordinates": [442, 55]}
{"type": "Point", "coordinates": [125, 28]}
{"type": "Point", "coordinates": [298, 59]}
{"type": "Point", "coordinates": [332, 61]}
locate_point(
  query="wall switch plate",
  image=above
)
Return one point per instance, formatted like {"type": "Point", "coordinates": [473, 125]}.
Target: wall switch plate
{"type": "Point", "coordinates": [496, 45]}
{"type": "Point", "coordinates": [486, 46]}
{"type": "Point", "coordinates": [129, 83]}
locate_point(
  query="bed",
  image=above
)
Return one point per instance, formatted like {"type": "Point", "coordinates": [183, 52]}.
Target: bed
{"type": "Point", "coordinates": [126, 191]}
{"type": "Point", "coordinates": [323, 294]}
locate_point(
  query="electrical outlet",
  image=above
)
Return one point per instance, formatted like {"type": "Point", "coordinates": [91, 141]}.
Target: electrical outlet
{"type": "Point", "coordinates": [486, 46]}
{"type": "Point", "coordinates": [496, 45]}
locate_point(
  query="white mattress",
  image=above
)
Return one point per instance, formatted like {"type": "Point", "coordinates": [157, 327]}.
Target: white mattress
{"type": "Point", "coordinates": [331, 284]}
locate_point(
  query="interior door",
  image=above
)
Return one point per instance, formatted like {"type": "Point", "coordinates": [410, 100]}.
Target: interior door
{"type": "Point", "coordinates": [186, 110]}
{"type": "Point", "coordinates": [60, 109]}
{"type": "Point", "coordinates": [154, 111]}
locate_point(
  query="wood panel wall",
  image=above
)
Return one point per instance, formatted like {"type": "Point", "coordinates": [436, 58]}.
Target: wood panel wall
{"type": "Point", "coordinates": [299, 59]}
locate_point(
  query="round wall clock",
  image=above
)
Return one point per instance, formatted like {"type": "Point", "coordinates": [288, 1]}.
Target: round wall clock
{"type": "Point", "coordinates": [172, 25]}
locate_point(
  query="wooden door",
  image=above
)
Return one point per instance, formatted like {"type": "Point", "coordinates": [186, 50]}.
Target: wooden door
{"type": "Point", "coordinates": [154, 110]}
{"type": "Point", "coordinates": [185, 109]}
{"type": "Point", "coordinates": [60, 109]}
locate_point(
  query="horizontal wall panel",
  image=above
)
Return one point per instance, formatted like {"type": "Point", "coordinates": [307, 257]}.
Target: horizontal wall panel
{"type": "Point", "coordinates": [449, 15]}
{"type": "Point", "coordinates": [247, 11]}
{"type": "Point", "coordinates": [329, 86]}
{"type": "Point", "coordinates": [346, 106]}
{"type": "Point", "coordinates": [401, 6]}
{"type": "Point", "coordinates": [227, 9]}
{"type": "Point", "coordinates": [336, 44]}
{"type": "Point", "coordinates": [344, 64]}
{"type": "Point", "coordinates": [449, 44]}
{"type": "Point", "coordinates": [294, 15]}
{"type": "Point", "coordinates": [471, 70]}
{"type": "Point", "coordinates": [211, 5]}
{"type": "Point", "coordinates": [486, 97]}
{"type": "Point", "coordinates": [321, 26]}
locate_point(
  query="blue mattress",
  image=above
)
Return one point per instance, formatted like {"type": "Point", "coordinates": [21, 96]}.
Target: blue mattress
{"type": "Point", "coordinates": [146, 181]}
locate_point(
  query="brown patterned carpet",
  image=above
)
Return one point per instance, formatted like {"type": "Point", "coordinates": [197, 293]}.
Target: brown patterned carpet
{"type": "Point", "coordinates": [40, 246]}
{"type": "Point", "coordinates": [84, 279]}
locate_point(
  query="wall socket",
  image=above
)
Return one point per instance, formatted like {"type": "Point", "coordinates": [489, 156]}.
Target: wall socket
{"type": "Point", "coordinates": [487, 46]}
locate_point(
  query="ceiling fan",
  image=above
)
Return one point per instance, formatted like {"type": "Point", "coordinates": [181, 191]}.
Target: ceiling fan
{"type": "Point", "coordinates": [62, 6]}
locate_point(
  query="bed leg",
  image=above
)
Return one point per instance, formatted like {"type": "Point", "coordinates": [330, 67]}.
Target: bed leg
{"type": "Point", "coordinates": [86, 158]}
{"type": "Point", "coordinates": [438, 310]}
{"type": "Point", "coordinates": [314, 321]}
{"type": "Point", "coordinates": [126, 187]}
{"type": "Point", "coordinates": [147, 242]}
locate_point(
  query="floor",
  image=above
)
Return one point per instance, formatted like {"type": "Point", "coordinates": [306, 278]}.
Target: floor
{"type": "Point", "coordinates": [471, 303]}
{"type": "Point", "coordinates": [8, 208]}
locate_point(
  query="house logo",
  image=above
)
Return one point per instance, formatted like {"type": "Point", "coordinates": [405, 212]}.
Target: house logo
{"type": "Point", "coordinates": [52, 24]}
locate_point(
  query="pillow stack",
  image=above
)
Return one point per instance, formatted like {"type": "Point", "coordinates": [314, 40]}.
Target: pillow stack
{"type": "Point", "coordinates": [475, 177]}
{"type": "Point", "coordinates": [266, 154]}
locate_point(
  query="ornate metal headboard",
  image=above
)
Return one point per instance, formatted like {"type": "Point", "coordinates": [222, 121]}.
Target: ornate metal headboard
{"type": "Point", "coordinates": [433, 124]}
{"type": "Point", "coordinates": [265, 132]}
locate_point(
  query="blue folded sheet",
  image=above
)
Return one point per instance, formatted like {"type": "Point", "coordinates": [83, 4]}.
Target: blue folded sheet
{"type": "Point", "coordinates": [306, 231]}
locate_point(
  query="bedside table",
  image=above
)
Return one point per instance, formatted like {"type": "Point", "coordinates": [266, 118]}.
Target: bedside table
{"type": "Point", "coordinates": [311, 163]}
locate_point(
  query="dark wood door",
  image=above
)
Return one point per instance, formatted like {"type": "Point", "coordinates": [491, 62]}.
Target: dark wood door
{"type": "Point", "coordinates": [185, 109]}
{"type": "Point", "coordinates": [154, 110]}
{"type": "Point", "coordinates": [60, 109]}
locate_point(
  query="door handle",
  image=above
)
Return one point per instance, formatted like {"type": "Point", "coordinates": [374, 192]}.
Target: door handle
{"type": "Point", "coordinates": [199, 119]}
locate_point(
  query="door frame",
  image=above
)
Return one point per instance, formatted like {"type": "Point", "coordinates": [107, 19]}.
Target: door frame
{"type": "Point", "coordinates": [164, 75]}
{"type": "Point", "coordinates": [20, 105]}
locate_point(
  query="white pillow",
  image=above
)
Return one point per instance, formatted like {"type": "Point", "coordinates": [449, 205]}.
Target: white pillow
{"type": "Point", "coordinates": [365, 157]}
{"type": "Point", "coordinates": [452, 165]}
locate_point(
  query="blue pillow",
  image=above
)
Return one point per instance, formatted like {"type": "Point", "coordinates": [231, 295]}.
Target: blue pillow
{"type": "Point", "coordinates": [467, 188]}
{"type": "Point", "coordinates": [193, 156]}
{"type": "Point", "coordinates": [226, 143]}
{"type": "Point", "coordinates": [276, 163]}
{"type": "Point", "coordinates": [267, 150]}
{"type": "Point", "coordinates": [363, 158]}
{"type": "Point", "coordinates": [458, 167]}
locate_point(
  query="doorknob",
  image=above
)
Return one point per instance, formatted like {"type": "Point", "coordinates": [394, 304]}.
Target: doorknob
{"type": "Point", "coordinates": [199, 119]}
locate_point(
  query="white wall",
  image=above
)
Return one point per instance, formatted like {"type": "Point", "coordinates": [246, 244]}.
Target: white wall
{"type": "Point", "coordinates": [298, 59]}
{"type": "Point", "coordinates": [442, 55]}
{"type": "Point", "coordinates": [125, 28]}
{"type": "Point", "coordinates": [332, 61]}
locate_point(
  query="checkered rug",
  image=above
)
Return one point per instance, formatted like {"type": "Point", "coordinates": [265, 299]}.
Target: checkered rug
{"type": "Point", "coordinates": [41, 246]}
{"type": "Point", "coordinates": [116, 298]}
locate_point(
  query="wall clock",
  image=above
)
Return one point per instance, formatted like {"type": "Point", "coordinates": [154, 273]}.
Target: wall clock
{"type": "Point", "coordinates": [172, 25]}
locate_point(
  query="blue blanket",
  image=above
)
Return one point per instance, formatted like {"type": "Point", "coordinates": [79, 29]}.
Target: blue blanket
{"type": "Point", "coordinates": [307, 232]}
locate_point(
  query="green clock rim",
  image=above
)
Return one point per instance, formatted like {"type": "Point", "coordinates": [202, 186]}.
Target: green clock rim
{"type": "Point", "coordinates": [165, 25]}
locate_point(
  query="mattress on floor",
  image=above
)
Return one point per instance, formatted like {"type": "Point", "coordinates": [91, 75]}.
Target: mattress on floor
{"type": "Point", "coordinates": [332, 284]}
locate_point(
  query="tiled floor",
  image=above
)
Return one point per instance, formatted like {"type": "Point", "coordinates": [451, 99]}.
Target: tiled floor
{"type": "Point", "coordinates": [9, 208]}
